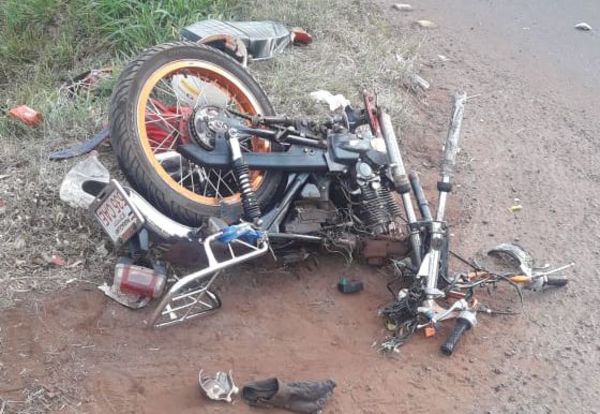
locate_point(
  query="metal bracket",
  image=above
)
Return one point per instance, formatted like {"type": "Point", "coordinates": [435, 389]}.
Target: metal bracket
{"type": "Point", "coordinates": [191, 296]}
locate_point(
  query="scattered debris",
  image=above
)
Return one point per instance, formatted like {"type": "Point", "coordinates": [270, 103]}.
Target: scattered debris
{"type": "Point", "coordinates": [220, 387]}
{"type": "Point", "coordinates": [125, 299]}
{"type": "Point", "coordinates": [583, 27]}
{"type": "Point", "coordinates": [516, 207]}
{"type": "Point", "coordinates": [334, 101]}
{"type": "Point", "coordinates": [26, 115]}
{"type": "Point", "coordinates": [348, 286]}
{"type": "Point", "coordinates": [425, 24]}
{"type": "Point", "coordinates": [417, 82]}
{"type": "Point", "coordinates": [75, 264]}
{"type": "Point", "coordinates": [533, 277]}
{"type": "Point", "coordinates": [405, 7]}
{"type": "Point", "coordinates": [86, 82]}
{"type": "Point", "coordinates": [88, 174]}
{"type": "Point", "coordinates": [245, 40]}
{"type": "Point", "coordinates": [81, 148]}
{"type": "Point", "coordinates": [301, 36]}
{"type": "Point", "coordinates": [57, 260]}
{"type": "Point", "coordinates": [302, 397]}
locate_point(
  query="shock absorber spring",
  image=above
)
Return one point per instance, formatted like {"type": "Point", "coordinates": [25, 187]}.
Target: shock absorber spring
{"type": "Point", "coordinates": [249, 200]}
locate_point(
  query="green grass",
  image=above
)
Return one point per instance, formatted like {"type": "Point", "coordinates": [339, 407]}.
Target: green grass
{"type": "Point", "coordinates": [45, 42]}
{"type": "Point", "coordinates": [56, 35]}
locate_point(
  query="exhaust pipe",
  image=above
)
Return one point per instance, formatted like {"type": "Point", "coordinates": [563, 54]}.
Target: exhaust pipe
{"type": "Point", "coordinates": [156, 222]}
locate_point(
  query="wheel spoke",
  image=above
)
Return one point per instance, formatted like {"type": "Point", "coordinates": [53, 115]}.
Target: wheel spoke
{"type": "Point", "coordinates": [166, 139]}
{"type": "Point", "coordinates": [172, 101]}
{"type": "Point", "coordinates": [158, 113]}
{"type": "Point", "coordinates": [163, 119]}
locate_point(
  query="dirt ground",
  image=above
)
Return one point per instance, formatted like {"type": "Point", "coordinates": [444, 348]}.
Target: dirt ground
{"type": "Point", "coordinates": [76, 351]}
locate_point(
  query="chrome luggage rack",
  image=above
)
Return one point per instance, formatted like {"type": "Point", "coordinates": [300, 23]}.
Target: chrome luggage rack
{"type": "Point", "coordinates": [190, 296]}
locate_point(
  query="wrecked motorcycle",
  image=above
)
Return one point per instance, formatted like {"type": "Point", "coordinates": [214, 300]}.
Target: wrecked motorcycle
{"type": "Point", "coordinates": [212, 165]}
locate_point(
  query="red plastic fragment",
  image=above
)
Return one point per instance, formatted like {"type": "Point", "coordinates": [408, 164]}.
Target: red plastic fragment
{"type": "Point", "coordinates": [301, 36]}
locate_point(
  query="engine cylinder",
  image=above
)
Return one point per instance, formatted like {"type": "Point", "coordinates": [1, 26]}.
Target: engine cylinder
{"type": "Point", "coordinates": [373, 210]}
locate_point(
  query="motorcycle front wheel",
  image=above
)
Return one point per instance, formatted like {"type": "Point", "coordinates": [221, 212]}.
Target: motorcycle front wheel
{"type": "Point", "coordinates": [154, 106]}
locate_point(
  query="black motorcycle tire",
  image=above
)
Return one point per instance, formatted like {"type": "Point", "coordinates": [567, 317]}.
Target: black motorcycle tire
{"type": "Point", "coordinates": [133, 159]}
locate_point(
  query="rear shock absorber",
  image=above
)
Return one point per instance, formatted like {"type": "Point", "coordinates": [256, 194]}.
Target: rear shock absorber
{"type": "Point", "coordinates": [249, 201]}
{"type": "Point", "coordinates": [242, 175]}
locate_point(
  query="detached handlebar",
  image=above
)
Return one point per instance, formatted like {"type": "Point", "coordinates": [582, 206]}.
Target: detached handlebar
{"type": "Point", "coordinates": [464, 322]}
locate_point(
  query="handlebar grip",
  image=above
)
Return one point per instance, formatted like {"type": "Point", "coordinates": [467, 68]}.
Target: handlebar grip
{"type": "Point", "coordinates": [558, 281]}
{"type": "Point", "coordinates": [462, 325]}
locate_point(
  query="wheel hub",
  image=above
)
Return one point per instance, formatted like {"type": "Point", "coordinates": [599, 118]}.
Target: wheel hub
{"type": "Point", "coordinates": [204, 125]}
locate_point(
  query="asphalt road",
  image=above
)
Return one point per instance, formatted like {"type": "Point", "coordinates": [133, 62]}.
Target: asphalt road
{"type": "Point", "coordinates": [534, 37]}
{"type": "Point", "coordinates": [530, 135]}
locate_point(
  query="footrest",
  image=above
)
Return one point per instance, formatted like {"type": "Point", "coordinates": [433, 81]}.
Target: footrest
{"type": "Point", "coordinates": [191, 296]}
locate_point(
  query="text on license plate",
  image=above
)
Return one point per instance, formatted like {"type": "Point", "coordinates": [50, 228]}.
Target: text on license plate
{"type": "Point", "coordinates": [117, 217]}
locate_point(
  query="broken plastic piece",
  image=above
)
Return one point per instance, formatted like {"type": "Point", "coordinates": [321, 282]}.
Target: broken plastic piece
{"type": "Point", "coordinates": [83, 182]}
{"type": "Point", "coordinates": [126, 299]}
{"type": "Point", "coordinates": [429, 331]}
{"type": "Point", "coordinates": [346, 285]}
{"type": "Point", "coordinates": [583, 26]}
{"type": "Point", "coordinates": [334, 101]}
{"type": "Point", "coordinates": [425, 24]}
{"type": "Point", "coordinates": [87, 81]}
{"type": "Point", "coordinates": [228, 44]}
{"type": "Point", "coordinates": [26, 115]}
{"type": "Point", "coordinates": [301, 36]}
{"type": "Point", "coordinates": [418, 82]}
{"type": "Point", "coordinates": [81, 148]}
{"type": "Point", "coordinates": [405, 7]}
{"type": "Point", "coordinates": [220, 387]}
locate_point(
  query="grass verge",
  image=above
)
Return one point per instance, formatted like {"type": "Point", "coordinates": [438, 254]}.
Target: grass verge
{"type": "Point", "coordinates": [42, 44]}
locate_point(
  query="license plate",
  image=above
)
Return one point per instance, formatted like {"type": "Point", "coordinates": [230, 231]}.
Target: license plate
{"type": "Point", "coordinates": [119, 219]}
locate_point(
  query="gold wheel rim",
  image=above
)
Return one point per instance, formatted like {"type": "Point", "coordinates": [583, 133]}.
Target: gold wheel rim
{"type": "Point", "coordinates": [223, 79]}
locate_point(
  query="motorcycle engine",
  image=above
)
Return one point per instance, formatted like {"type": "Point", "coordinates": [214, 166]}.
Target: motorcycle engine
{"type": "Point", "coordinates": [377, 208]}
